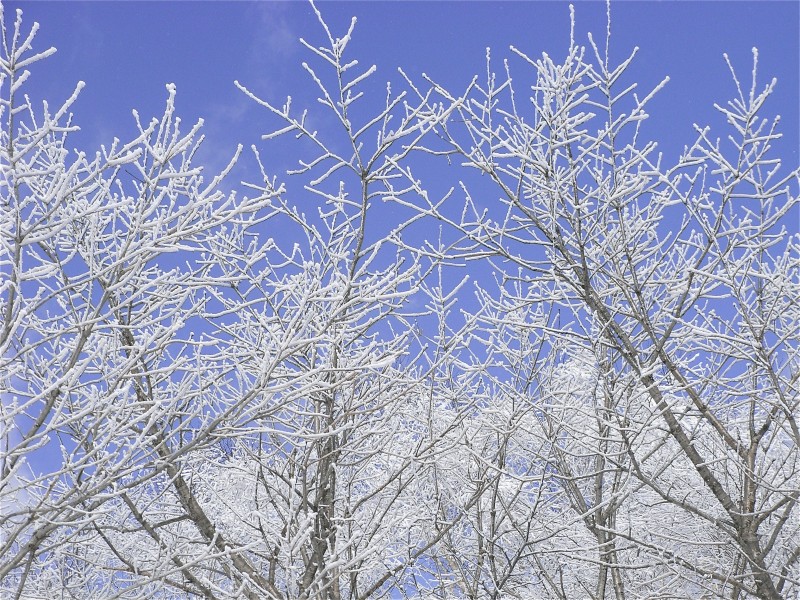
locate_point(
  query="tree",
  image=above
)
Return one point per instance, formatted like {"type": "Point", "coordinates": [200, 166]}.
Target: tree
{"type": "Point", "coordinates": [193, 409]}
{"type": "Point", "coordinates": [680, 282]}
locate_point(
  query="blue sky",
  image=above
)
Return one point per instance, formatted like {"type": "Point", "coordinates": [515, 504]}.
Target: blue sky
{"type": "Point", "coordinates": [127, 51]}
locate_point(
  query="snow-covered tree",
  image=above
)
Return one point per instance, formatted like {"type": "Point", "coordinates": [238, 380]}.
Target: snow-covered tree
{"type": "Point", "coordinates": [671, 290]}
{"type": "Point", "coordinates": [191, 407]}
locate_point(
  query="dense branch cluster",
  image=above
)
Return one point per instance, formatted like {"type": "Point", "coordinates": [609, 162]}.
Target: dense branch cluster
{"type": "Point", "coordinates": [217, 394]}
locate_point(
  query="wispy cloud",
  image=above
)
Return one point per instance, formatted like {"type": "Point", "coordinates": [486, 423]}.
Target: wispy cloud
{"type": "Point", "coordinates": [267, 66]}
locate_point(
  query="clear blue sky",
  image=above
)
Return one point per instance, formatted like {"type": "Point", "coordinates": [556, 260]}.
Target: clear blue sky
{"type": "Point", "coordinates": [127, 51]}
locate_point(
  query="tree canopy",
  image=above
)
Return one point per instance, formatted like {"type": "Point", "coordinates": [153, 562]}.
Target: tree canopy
{"type": "Point", "coordinates": [502, 348]}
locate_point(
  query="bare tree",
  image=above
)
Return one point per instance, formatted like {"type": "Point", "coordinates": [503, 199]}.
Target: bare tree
{"type": "Point", "coordinates": [194, 408]}
{"type": "Point", "coordinates": [251, 421]}
{"type": "Point", "coordinates": [681, 283]}
{"type": "Point", "coordinates": [104, 389]}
